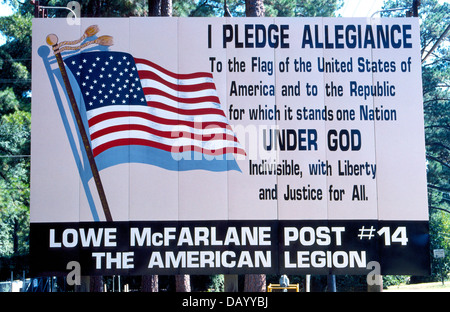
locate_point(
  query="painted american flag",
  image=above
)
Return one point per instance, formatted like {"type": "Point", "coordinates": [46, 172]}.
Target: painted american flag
{"type": "Point", "coordinates": [132, 102]}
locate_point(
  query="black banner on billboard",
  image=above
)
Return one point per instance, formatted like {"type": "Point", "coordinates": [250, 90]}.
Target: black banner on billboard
{"type": "Point", "coordinates": [231, 247]}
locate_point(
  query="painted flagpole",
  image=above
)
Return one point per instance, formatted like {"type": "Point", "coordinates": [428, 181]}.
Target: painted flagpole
{"type": "Point", "coordinates": [52, 40]}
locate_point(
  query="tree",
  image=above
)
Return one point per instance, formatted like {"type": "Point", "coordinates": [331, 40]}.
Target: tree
{"type": "Point", "coordinates": [164, 8]}
{"type": "Point", "coordinates": [15, 88]}
{"type": "Point", "coordinates": [254, 282]}
{"type": "Point", "coordinates": [440, 239]}
{"type": "Point", "coordinates": [150, 283]}
{"type": "Point", "coordinates": [436, 96]}
{"type": "Point", "coordinates": [434, 18]}
{"type": "Point", "coordinates": [160, 8]}
{"type": "Point", "coordinates": [183, 283]}
{"type": "Point", "coordinates": [272, 8]}
{"type": "Point", "coordinates": [156, 8]}
{"type": "Point", "coordinates": [96, 8]}
{"type": "Point", "coordinates": [254, 8]}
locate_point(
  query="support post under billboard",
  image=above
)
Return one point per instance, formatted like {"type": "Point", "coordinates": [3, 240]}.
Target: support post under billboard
{"type": "Point", "coordinates": [331, 283]}
{"type": "Point", "coordinates": [308, 283]}
{"type": "Point", "coordinates": [377, 286]}
{"type": "Point", "coordinates": [53, 41]}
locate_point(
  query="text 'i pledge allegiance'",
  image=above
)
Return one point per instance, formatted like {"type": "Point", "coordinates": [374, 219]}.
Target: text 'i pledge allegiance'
{"type": "Point", "coordinates": [334, 36]}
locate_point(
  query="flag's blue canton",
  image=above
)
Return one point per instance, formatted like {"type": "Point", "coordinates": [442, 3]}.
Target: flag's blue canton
{"type": "Point", "coordinates": [107, 79]}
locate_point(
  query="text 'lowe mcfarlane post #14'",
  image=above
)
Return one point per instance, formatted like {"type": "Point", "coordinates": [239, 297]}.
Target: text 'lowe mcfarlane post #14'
{"type": "Point", "coordinates": [230, 146]}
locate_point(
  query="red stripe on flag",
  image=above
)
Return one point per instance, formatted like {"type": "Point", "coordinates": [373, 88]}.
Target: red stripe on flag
{"type": "Point", "coordinates": [118, 114]}
{"type": "Point", "coordinates": [171, 74]}
{"type": "Point", "coordinates": [177, 87]}
{"type": "Point", "coordinates": [173, 149]}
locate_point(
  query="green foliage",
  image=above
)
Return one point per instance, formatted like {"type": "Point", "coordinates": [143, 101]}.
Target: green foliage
{"type": "Point", "coordinates": [216, 283]}
{"type": "Point", "coordinates": [434, 17]}
{"type": "Point", "coordinates": [394, 280]}
{"type": "Point", "coordinates": [15, 120]}
{"type": "Point", "coordinates": [15, 58]}
{"type": "Point", "coordinates": [440, 239]}
{"type": "Point", "coordinates": [16, 264]}
{"type": "Point", "coordinates": [17, 28]}
{"type": "Point", "coordinates": [14, 182]}
{"type": "Point", "coordinates": [8, 101]}
{"type": "Point", "coordinates": [15, 134]}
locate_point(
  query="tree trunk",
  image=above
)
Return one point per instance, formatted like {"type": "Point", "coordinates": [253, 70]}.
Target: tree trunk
{"type": "Point", "coordinates": [15, 236]}
{"type": "Point", "coordinates": [183, 283]}
{"type": "Point", "coordinates": [231, 283]}
{"type": "Point", "coordinates": [160, 8]}
{"type": "Point", "coordinates": [154, 7]}
{"type": "Point", "coordinates": [254, 8]}
{"type": "Point", "coordinates": [166, 7]}
{"type": "Point", "coordinates": [331, 283]}
{"type": "Point", "coordinates": [255, 283]}
{"type": "Point", "coordinates": [149, 283]}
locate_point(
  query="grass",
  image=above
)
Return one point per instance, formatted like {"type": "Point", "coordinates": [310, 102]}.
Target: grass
{"type": "Point", "coordinates": [429, 287]}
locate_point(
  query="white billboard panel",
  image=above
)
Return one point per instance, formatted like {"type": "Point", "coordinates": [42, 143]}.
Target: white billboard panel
{"type": "Point", "coordinates": [228, 145]}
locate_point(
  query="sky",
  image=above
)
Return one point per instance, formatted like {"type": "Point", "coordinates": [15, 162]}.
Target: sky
{"type": "Point", "coordinates": [5, 10]}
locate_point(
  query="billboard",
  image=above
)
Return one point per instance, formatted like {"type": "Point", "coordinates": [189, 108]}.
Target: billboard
{"type": "Point", "coordinates": [228, 145]}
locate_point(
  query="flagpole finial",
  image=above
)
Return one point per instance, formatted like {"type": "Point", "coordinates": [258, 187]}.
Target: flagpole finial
{"type": "Point", "coordinates": [105, 40]}
{"type": "Point", "coordinates": [91, 31]}
{"type": "Point", "coordinates": [52, 39]}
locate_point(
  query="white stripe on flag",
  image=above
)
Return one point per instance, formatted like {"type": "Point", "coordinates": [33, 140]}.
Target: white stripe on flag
{"type": "Point", "coordinates": [191, 81]}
